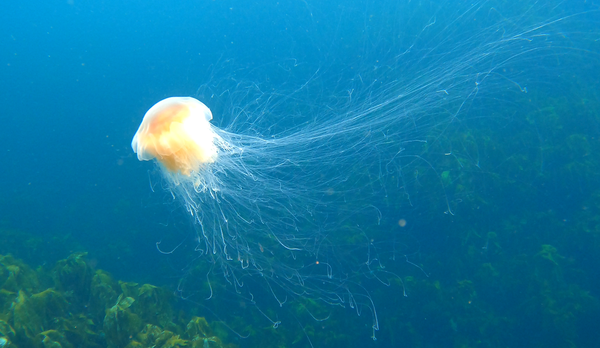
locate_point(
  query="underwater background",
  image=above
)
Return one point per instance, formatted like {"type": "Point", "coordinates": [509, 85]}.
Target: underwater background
{"type": "Point", "coordinates": [515, 263]}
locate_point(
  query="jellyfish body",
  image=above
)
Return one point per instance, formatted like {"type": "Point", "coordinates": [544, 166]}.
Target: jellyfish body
{"type": "Point", "coordinates": [177, 133]}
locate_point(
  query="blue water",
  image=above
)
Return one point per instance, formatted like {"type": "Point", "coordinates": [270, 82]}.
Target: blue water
{"type": "Point", "coordinates": [78, 76]}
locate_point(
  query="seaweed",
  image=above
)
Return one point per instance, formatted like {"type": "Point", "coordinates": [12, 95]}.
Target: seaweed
{"type": "Point", "coordinates": [73, 306]}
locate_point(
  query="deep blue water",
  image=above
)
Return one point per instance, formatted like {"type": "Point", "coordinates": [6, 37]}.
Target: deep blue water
{"type": "Point", "coordinates": [78, 76]}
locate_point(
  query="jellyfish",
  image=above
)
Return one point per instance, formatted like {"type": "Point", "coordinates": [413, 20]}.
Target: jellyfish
{"type": "Point", "coordinates": [295, 192]}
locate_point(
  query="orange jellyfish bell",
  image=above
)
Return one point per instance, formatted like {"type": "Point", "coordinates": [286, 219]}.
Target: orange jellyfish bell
{"type": "Point", "coordinates": [177, 132]}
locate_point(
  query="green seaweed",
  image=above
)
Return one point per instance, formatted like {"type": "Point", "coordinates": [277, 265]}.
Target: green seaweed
{"type": "Point", "coordinates": [52, 339]}
{"type": "Point", "coordinates": [73, 306]}
{"type": "Point", "coordinates": [120, 323]}
{"type": "Point", "coordinates": [74, 276]}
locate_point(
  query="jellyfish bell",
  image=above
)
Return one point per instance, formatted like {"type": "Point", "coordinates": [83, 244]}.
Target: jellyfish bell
{"type": "Point", "coordinates": [177, 133]}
